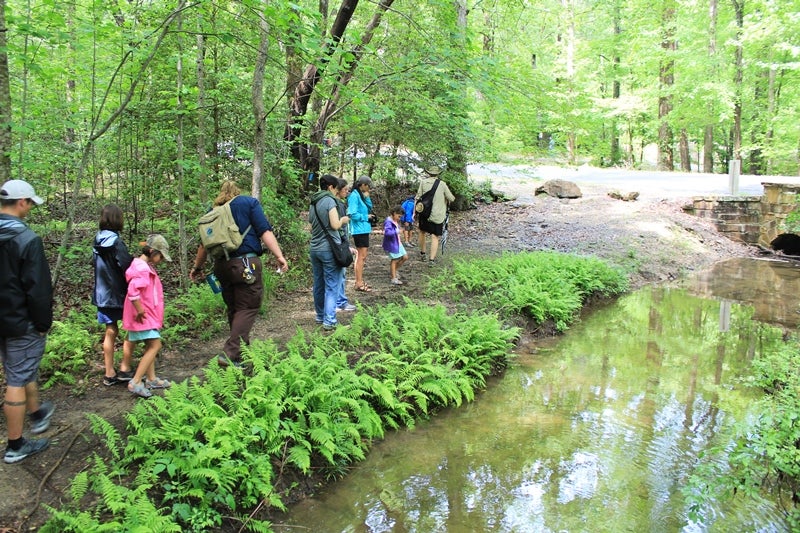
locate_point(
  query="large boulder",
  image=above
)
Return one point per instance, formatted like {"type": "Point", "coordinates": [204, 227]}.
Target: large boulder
{"type": "Point", "coordinates": [559, 189]}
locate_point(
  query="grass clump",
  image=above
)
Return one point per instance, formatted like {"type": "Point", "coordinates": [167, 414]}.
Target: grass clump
{"type": "Point", "coordinates": [540, 286]}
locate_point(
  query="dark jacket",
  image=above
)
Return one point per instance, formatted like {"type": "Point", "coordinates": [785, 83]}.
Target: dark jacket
{"type": "Point", "coordinates": [110, 259]}
{"type": "Point", "coordinates": [26, 291]}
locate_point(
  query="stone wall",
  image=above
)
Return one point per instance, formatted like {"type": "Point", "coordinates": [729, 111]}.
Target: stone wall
{"type": "Point", "coordinates": [737, 217]}
{"type": "Point", "coordinates": [754, 220]}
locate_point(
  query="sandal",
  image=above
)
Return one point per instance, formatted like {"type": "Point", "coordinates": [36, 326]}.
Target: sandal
{"type": "Point", "coordinates": [139, 389]}
{"type": "Point", "coordinates": [158, 383]}
{"type": "Point", "coordinates": [364, 288]}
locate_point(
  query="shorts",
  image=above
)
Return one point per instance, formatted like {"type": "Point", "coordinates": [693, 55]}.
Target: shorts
{"type": "Point", "coordinates": [430, 227]}
{"type": "Point", "coordinates": [108, 315]}
{"type": "Point", "coordinates": [399, 254]}
{"type": "Point", "coordinates": [361, 240]}
{"type": "Point", "coordinates": [136, 336]}
{"type": "Point", "coordinates": [21, 358]}
{"type": "Point", "coordinates": [408, 226]}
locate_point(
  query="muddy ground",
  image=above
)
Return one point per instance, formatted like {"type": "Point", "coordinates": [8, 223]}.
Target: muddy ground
{"type": "Point", "coordinates": [652, 236]}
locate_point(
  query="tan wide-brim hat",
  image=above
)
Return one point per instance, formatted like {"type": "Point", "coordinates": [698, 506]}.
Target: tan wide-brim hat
{"type": "Point", "coordinates": [433, 170]}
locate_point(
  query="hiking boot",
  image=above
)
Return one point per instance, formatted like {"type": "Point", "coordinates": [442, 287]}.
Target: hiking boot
{"type": "Point", "coordinates": [42, 424]}
{"type": "Point", "coordinates": [29, 447]}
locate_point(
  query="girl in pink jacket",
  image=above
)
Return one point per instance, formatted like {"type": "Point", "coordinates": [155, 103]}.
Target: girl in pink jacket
{"type": "Point", "coordinates": [143, 313]}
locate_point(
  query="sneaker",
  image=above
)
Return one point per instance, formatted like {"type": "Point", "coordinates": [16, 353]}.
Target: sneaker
{"type": "Point", "coordinates": [158, 383]}
{"type": "Point", "coordinates": [224, 361]}
{"type": "Point", "coordinates": [347, 308]}
{"type": "Point", "coordinates": [109, 381]}
{"type": "Point", "coordinates": [411, 245]}
{"type": "Point", "coordinates": [29, 447]}
{"type": "Point", "coordinates": [41, 425]}
{"type": "Point", "coordinates": [124, 376]}
{"type": "Point", "coordinates": [139, 389]}
{"type": "Point", "coordinates": [423, 256]}
{"type": "Point", "coordinates": [328, 327]}
{"type": "Point", "coordinates": [396, 281]}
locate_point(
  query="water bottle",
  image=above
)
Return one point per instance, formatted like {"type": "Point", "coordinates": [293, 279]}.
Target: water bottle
{"type": "Point", "coordinates": [213, 282]}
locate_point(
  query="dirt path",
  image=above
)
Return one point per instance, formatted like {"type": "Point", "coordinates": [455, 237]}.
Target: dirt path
{"type": "Point", "coordinates": [653, 237]}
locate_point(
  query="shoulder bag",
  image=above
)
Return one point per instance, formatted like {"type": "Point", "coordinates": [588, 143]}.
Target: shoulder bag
{"type": "Point", "coordinates": [341, 250]}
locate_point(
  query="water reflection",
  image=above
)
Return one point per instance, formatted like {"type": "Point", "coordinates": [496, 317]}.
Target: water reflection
{"type": "Point", "coordinates": [772, 287]}
{"type": "Point", "coordinates": [594, 431]}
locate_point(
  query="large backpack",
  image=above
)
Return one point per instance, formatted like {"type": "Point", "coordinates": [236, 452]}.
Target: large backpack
{"type": "Point", "coordinates": [219, 233]}
{"type": "Point", "coordinates": [424, 205]}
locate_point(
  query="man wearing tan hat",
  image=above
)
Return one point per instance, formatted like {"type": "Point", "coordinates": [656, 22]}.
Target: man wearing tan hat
{"type": "Point", "coordinates": [26, 314]}
{"type": "Point", "coordinates": [434, 223]}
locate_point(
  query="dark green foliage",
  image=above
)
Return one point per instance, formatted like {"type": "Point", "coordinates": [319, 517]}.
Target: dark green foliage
{"type": "Point", "coordinates": [69, 346]}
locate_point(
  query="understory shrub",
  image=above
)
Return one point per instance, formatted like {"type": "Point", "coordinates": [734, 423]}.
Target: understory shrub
{"type": "Point", "coordinates": [213, 448]}
{"type": "Point", "coordinates": [538, 285]}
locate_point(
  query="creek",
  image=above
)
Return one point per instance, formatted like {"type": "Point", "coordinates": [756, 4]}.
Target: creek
{"type": "Point", "coordinates": [595, 430]}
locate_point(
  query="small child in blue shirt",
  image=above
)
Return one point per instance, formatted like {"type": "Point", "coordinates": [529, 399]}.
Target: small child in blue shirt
{"type": "Point", "coordinates": [407, 220]}
{"type": "Point", "coordinates": [392, 244]}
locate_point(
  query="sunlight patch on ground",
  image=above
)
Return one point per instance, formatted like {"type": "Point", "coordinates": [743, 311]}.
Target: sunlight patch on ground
{"type": "Point", "coordinates": [658, 227]}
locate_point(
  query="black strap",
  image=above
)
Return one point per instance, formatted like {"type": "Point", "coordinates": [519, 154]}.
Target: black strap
{"type": "Point", "coordinates": [327, 233]}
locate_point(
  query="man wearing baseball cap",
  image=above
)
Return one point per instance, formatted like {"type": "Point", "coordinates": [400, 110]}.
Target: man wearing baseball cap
{"type": "Point", "coordinates": [26, 314]}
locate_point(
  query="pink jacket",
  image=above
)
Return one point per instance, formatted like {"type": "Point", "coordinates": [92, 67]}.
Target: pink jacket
{"type": "Point", "coordinates": [143, 285]}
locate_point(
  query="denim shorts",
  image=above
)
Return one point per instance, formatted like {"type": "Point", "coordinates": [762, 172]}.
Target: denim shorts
{"type": "Point", "coordinates": [21, 357]}
{"type": "Point", "coordinates": [108, 315]}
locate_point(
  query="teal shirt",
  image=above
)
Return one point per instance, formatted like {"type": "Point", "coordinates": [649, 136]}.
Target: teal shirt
{"type": "Point", "coordinates": [358, 210]}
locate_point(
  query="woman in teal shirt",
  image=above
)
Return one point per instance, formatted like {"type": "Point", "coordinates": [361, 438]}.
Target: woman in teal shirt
{"type": "Point", "coordinates": [359, 209]}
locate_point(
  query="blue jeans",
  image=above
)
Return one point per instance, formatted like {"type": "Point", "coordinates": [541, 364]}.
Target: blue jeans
{"type": "Point", "coordinates": [341, 298]}
{"type": "Point", "coordinates": [327, 283]}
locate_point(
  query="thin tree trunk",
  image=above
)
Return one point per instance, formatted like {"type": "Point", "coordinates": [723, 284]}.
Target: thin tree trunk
{"type": "Point", "coordinates": [202, 158]}
{"type": "Point", "coordinates": [5, 100]}
{"type": "Point", "coordinates": [686, 157]}
{"type": "Point", "coordinates": [257, 99]}
{"type": "Point", "coordinates": [615, 92]}
{"type": "Point", "coordinates": [182, 263]}
{"type": "Point", "coordinates": [708, 136]}
{"type": "Point", "coordinates": [666, 81]}
{"type": "Point", "coordinates": [736, 133]}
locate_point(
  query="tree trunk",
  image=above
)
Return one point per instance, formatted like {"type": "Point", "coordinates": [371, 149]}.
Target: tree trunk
{"type": "Point", "coordinates": [313, 149]}
{"type": "Point", "coordinates": [257, 99]}
{"type": "Point", "coordinates": [616, 155]}
{"type": "Point", "coordinates": [179, 146]}
{"type": "Point", "coordinates": [736, 133]}
{"type": "Point", "coordinates": [666, 81]}
{"type": "Point", "coordinates": [202, 159]}
{"type": "Point", "coordinates": [686, 158]}
{"type": "Point", "coordinates": [708, 137]}
{"type": "Point", "coordinates": [5, 100]}
{"type": "Point", "coordinates": [311, 76]}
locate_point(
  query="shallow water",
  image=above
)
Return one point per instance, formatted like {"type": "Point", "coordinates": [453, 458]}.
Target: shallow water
{"type": "Point", "coordinates": [596, 430]}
